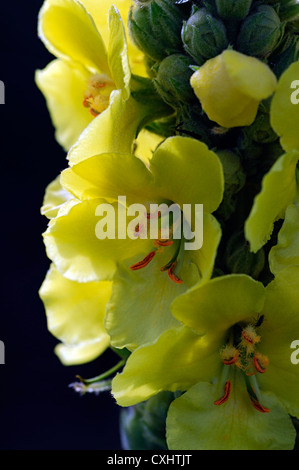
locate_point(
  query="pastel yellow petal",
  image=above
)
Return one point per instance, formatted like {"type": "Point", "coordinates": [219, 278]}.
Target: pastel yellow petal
{"type": "Point", "coordinates": [99, 13]}
{"type": "Point", "coordinates": [69, 32]}
{"type": "Point", "coordinates": [284, 111]}
{"type": "Point", "coordinates": [278, 331]}
{"type": "Point", "coordinates": [118, 53]}
{"type": "Point", "coordinates": [64, 85]}
{"type": "Point", "coordinates": [278, 191]}
{"type": "Point", "coordinates": [185, 170]}
{"type": "Point", "coordinates": [173, 362]}
{"type": "Point", "coordinates": [110, 176]}
{"type": "Point", "coordinates": [146, 144]}
{"type": "Point", "coordinates": [75, 315]}
{"type": "Point", "coordinates": [72, 244]}
{"type": "Point", "coordinates": [114, 130]}
{"type": "Point", "coordinates": [230, 87]}
{"type": "Point", "coordinates": [286, 252]}
{"type": "Point", "coordinates": [55, 197]}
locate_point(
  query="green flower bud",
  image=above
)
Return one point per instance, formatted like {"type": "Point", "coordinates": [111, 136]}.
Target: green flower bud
{"type": "Point", "coordinates": [155, 27]}
{"type": "Point", "coordinates": [233, 9]}
{"type": "Point", "coordinates": [240, 260]}
{"type": "Point", "coordinates": [203, 36]}
{"type": "Point", "coordinates": [173, 80]}
{"type": "Point", "coordinates": [289, 10]}
{"type": "Point", "coordinates": [288, 55]}
{"type": "Point", "coordinates": [209, 5]}
{"type": "Point", "coordinates": [260, 32]}
{"type": "Point", "coordinates": [234, 178]}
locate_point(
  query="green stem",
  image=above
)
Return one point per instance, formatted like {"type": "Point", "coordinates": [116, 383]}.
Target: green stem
{"type": "Point", "coordinates": [104, 375]}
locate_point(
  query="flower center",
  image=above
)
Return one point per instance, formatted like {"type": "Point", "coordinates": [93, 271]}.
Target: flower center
{"type": "Point", "coordinates": [164, 240]}
{"type": "Point", "coordinates": [97, 95]}
{"type": "Point", "coordinates": [240, 352]}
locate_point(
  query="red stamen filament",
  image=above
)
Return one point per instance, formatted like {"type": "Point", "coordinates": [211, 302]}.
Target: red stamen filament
{"type": "Point", "coordinates": [173, 276]}
{"type": "Point", "coordinates": [144, 262]}
{"type": "Point", "coordinates": [258, 406]}
{"type": "Point", "coordinates": [227, 390]}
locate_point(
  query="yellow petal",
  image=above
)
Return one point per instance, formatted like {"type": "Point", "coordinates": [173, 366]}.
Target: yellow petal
{"type": "Point", "coordinates": [64, 85]}
{"type": "Point", "coordinates": [55, 197]}
{"type": "Point", "coordinates": [69, 32]}
{"type": "Point", "coordinates": [284, 111]}
{"type": "Point", "coordinates": [99, 12]}
{"type": "Point", "coordinates": [75, 315]}
{"type": "Point", "coordinates": [230, 87]}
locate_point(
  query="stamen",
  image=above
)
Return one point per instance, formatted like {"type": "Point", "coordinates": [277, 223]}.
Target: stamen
{"type": "Point", "coordinates": [144, 262]}
{"type": "Point", "coordinates": [164, 242]}
{"type": "Point", "coordinates": [253, 397]}
{"type": "Point", "coordinates": [227, 390]}
{"type": "Point", "coordinates": [260, 363]}
{"type": "Point", "coordinates": [173, 276]}
{"type": "Point", "coordinates": [229, 355]}
{"type": "Point", "coordinates": [250, 336]}
{"type": "Point", "coordinates": [258, 406]}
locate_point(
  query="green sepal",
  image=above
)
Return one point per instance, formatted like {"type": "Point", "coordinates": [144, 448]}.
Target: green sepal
{"type": "Point", "coordinates": [204, 36]}
{"type": "Point", "coordinates": [173, 80]}
{"type": "Point", "coordinates": [155, 28]}
{"type": "Point", "coordinates": [233, 9]}
{"type": "Point", "coordinates": [260, 32]}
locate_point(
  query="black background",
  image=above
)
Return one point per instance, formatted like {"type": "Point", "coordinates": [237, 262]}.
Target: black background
{"type": "Point", "coordinates": [37, 408]}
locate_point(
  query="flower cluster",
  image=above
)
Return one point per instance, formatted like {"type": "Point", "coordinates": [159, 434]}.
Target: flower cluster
{"type": "Point", "coordinates": [178, 105]}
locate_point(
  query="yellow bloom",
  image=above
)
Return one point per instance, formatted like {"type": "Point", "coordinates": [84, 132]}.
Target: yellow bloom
{"type": "Point", "coordinates": [79, 84]}
{"type": "Point", "coordinates": [230, 87]}
{"type": "Point", "coordinates": [75, 315]}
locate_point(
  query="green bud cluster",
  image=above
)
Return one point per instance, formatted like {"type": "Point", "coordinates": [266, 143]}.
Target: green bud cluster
{"type": "Point", "coordinates": [155, 27]}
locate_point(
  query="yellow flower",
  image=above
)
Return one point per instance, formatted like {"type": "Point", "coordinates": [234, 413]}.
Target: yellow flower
{"type": "Point", "coordinates": [230, 87]}
{"type": "Point", "coordinates": [80, 84]}
{"type": "Point", "coordinates": [75, 315]}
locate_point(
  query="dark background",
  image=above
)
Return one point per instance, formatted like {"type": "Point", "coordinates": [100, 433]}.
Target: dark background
{"type": "Point", "coordinates": [37, 408]}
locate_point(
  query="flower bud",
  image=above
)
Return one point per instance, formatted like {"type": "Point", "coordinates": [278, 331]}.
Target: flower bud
{"type": "Point", "coordinates": [203, 36]}
{"type": "Point", "coordinates": [230, 87]}
{"type": "Point", "coordinates": [233, 9]}
{"type": "Point", "coordinates": [155, 27]}
{"type": "Point", "coordinates": [173, 80]}
{"type": "Point", "coordinates": [288, 55]}
{"type": "Point", "coordinates": [289, 10]}
{"type": "Point", "coordinates": [260, 32]}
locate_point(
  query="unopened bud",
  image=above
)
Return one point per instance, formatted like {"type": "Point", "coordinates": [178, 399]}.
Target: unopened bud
{"type": "Point", "coordinates": [288, 55]}
{"type": "Point", "coordinates": [260, 32]}
{"type": "Point", "coordinates": [173, 80]}
{"type": "Point", "coordinates": [155, 27]}
{"type": "Point", "coordinates": [233, 9]}
{"type": "Point", "coordinates": [203, 35]}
